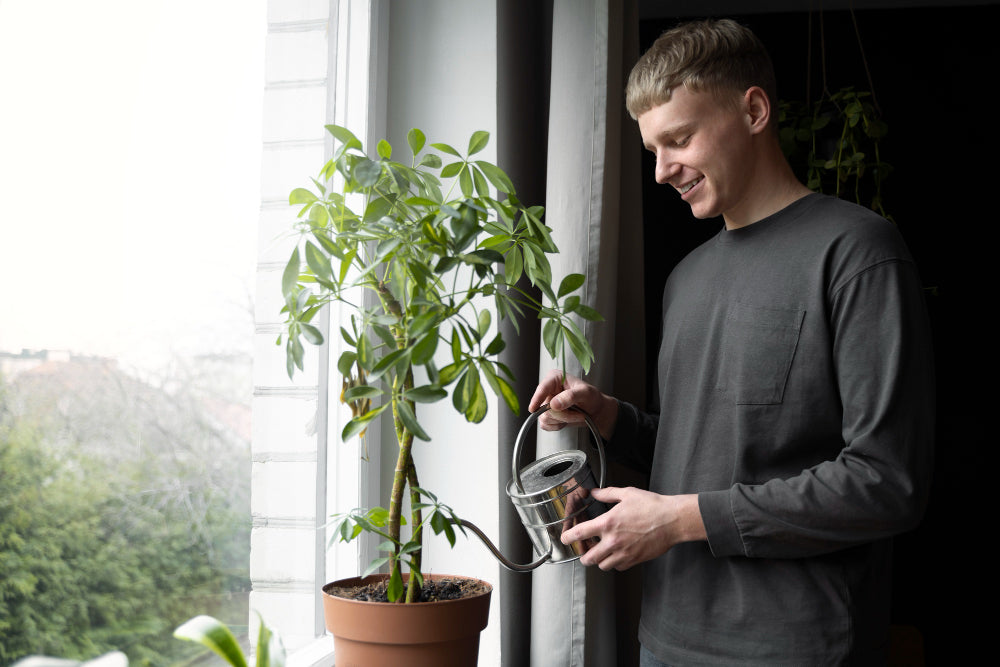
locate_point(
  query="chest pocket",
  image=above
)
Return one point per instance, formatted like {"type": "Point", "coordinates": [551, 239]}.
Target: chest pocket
{"type": "Point", "coordinates": [758, 345]}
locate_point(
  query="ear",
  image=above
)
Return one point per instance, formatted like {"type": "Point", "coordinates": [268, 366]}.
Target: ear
{"type": "Point", "coordinates": [757, 107]}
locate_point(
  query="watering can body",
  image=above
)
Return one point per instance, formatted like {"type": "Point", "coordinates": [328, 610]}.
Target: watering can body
{"type": "Point", "coordinates": [551, 495]}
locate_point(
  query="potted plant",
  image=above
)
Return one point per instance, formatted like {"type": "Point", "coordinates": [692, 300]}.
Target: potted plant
{"type": "Point", "coordinates": [427, 259]}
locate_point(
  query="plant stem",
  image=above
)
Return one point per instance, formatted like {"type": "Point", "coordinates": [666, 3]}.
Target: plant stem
{"type": "Point", "coordinates": [417, 521]}
{"type": "Point", "coordinates": [404, 462]}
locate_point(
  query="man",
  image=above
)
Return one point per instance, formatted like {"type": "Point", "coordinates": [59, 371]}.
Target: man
{"type": "Point", "coordinates": [794, 436]}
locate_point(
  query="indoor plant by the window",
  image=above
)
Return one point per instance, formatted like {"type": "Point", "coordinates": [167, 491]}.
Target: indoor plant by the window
{"type": "Point", "coordinates": [426, 258]}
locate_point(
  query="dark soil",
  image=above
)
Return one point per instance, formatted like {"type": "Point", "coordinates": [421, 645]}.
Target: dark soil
{"type": "Point", "coordinates": [432, 590]}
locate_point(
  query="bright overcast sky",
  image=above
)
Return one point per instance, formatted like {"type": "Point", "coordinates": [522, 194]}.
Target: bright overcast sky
{"type": "Point", "coordinates": [129, 173]}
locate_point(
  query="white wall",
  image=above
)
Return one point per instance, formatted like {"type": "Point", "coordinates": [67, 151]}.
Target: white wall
{"type": "Point", "coordinates": [442, 79]}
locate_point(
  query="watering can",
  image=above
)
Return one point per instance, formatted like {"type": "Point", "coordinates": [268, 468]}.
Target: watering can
{"type": "Point", "coordinates": [551, 495]}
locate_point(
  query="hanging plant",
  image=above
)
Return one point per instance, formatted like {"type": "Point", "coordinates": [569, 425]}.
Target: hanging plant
{"type": "Point", "coordinates": [834, 145]}
{"type": "Point", "coordinates": [834, 142]}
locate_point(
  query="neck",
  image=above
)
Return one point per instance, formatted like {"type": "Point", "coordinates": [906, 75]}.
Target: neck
{"type": "Point", "coordinates": [772, 188]}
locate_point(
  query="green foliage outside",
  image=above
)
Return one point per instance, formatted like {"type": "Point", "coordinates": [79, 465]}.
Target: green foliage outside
{"type": "Point", "coordinates": [123, 512]}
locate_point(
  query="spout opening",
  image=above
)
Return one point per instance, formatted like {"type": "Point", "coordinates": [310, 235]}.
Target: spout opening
{"type": "Point", "coordinates": [557, 468]}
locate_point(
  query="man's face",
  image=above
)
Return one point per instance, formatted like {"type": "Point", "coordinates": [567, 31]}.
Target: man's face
{"type": "Point", "coordinates": [702, 149]}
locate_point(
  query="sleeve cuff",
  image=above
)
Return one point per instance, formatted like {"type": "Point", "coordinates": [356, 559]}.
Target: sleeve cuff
{"type": "Point", "coordinates": [626, 424]}
{"type": "Point", "coordinates": [720, 524]}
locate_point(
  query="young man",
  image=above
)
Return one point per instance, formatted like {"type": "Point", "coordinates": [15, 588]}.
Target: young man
{"type": "Point", "coordinates": [795, 429]}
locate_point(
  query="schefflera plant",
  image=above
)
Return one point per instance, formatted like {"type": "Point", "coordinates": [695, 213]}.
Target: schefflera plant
{"type": "Point", "coordinates": [424, 256]}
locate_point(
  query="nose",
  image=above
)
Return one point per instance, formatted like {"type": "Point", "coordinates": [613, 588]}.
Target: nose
{"type": "Point", "coordinates": [665, 168]}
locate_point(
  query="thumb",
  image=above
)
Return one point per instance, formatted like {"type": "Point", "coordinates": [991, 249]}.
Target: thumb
{"type": "Point", "coordinates": [608, 494]}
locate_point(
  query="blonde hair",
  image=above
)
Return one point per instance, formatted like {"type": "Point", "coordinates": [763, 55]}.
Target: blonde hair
{"type": "Point", "coordinates": [719, 56]}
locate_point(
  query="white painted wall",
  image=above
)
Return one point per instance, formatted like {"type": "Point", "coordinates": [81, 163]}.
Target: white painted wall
{"type": "Point", "coordinates": [442, 79]}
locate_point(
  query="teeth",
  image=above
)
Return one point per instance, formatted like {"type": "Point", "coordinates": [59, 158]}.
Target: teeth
{"type": "Point", "coordinates": [684, 189]}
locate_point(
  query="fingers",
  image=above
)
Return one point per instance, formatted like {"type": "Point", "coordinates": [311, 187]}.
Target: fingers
{"type": "Point", "coordinates": [560, 392]}
{"type": "Point", "coordinates": [550, 385]}
{"type": "Point", "coordinates": [594, 527]}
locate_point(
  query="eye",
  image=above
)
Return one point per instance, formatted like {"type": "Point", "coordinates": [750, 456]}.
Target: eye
{"type": "Point", "coordinates": [681, 143]}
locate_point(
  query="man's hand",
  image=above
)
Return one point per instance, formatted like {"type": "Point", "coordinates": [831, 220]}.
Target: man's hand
{"type": "Point", "coordinates": [561, 395]}
{"type": "Point", "coordinates": [640, 527]}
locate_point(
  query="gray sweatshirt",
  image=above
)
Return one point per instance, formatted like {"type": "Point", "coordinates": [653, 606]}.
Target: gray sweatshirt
{"type": "Point", "coordinates": [796, 399]}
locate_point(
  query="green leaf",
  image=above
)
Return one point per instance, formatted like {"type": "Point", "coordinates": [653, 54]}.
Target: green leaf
{"type": "Point", "coordinates": [469, 397]}
{"type": "Point", "coordinates": [213, 634]}
{"type": "Point", "coordinates": [579, 345]}
{"type": "Point", "coordinates": [301, 196]}
{"type": "Point", "coordinates": [478, 141]}
{"type": "Point", "coordinates": [478, 405]}
{"type": "Point", "coordinates": [496, 346]}
{"type": "Point", "coordinates": [570, 283]}
{"type": "Point", "coordinates": [426, 394]}
{"type": "Point", "coordinates": [346, 362]}
{"type": "Point", "coordinates": [485, 319]}
{"type": "Point", "coordinates": [362, 391]}
{"type": "Point", "coordinates": [409, 419]}
{"type": "Point", "coordinates": [430, 160]}
{"type": "Point", "coordinates": [375, 565]}
{"type": "Point", "coordinates": [465, 182]}
{"type": "Point", "coordinates": [347, 336]}
{"type": "Point", "coordinates": [366, 355]}
{"type": "Point", "coordinates": [384, 149]}
{"type": "Point", "coordinates": [270, 650]}
{"type": "Point", "coordinates": [513, 266]}
{"type": "Point", "coordinates": [448, 374]}
{"type": "Point", "coordinates": [484, 257]}
{"type": "Point", "coordinates": [366, 172]}
{"type": "Point", "coordinates": [588, 313]}
{"type": "Point", "coordinates": [451, 170]}
{"type": "Point", "coordinates": [502, 389]}
{"type": "Point", "coordinates": [391, 360]}
{"type": "Point", "coordinates": [416, 139]}
{"type": "Point", "coordinates": [445, 148]}
{"type": "Point", "coordinates": [482, 187]}
{"type": "Point", "coordinates": [344, 136]}
{"type": "Point", "coordinates": [318, 262]}
{"type": "Point", "coordinates": [425, 348]}
{"type": "Point", "coordinates": [551, 338]}
{"type": "Point", "coordinates": [359, 424]}
{"type": "Point", "coordinates": [395, 587]}
{"type": "Point", "coordinates": [290, 277]}
{"type": "Point", "coordinates": [440, 523]}
{"type": "Point", "coordinates": [496, 176]}
{"type": "Point", "coordinates": [377, 209]}
{"type": "Point", "coordinates": [311, 333]}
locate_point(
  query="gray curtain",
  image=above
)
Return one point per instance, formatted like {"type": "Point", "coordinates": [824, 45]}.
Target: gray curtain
{"type": "Point", "coordinates": [565, 138]}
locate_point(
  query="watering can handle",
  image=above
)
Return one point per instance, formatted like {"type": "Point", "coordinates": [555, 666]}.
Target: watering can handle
{"type": "Point", "coordinates": [532, 418]}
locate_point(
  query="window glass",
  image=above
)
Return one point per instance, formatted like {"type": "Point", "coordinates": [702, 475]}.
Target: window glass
{"type": "Point", "coordinates": [130, 141]}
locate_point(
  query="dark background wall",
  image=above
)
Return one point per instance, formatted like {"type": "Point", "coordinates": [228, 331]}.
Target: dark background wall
{"type": "Point", "coordinates": [934, 74]}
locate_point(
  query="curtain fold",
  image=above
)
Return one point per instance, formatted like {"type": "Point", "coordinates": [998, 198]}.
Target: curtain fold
{"type": "Point", "coordinates": [569, 614]}
{"type": "Point", "coordinates": [524, 29]}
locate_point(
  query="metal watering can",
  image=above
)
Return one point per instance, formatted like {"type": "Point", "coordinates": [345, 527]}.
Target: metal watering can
{"type": "Point", "coordinates": [551, 496]}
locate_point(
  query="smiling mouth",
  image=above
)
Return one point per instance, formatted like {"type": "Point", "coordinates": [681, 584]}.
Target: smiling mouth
{"type": "Point", "coordinates": [684, 189]}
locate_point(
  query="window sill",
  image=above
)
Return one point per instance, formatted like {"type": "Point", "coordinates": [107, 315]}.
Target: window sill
{"type": "Point", "coordinates": [319, 653]}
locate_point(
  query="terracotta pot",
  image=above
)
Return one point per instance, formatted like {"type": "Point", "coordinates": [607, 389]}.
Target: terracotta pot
{"type": "Point", "coordinates": [425, 634]}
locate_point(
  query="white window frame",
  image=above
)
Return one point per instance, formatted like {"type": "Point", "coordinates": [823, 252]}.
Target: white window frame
{"type": "Point", "coordinates": [326, 62]}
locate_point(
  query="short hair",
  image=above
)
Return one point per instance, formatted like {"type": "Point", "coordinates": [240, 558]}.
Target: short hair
{"type": "Point", "coordinates": [715, 55]}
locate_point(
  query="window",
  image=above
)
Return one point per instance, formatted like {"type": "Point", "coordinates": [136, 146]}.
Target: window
{"type": "Point", "coordinates": [129, 168]}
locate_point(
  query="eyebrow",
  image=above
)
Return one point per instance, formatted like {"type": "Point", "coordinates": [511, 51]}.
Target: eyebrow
{"type": "Point", "coordinates": [671, 132]}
